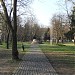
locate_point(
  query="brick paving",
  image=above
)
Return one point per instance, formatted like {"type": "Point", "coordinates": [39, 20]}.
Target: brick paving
{"type": "Point", "coordinates": [34, 63]}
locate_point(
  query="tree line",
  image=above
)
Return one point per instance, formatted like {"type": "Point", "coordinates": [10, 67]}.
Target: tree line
{"type": "Point", "coordinates": [13, 30]}
{"type": "Point", "coordinates": [9, 12]}
{"type": "Point", "coordinates": [62, 25]}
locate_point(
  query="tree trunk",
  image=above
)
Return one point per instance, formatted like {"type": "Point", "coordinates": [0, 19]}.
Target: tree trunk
{"type": "Point", "coordinates": [14, 46]}
{"type": "Point", "coordinates": [14, 33]}
{"type": "Point", "coordinates": [0, 42]}
{"type": "Point", "coordinates": [8, 41]}
{"type": "Point", "coordinates": [57, 41]}
{"type": "Point", "coordinates": [12, 28]}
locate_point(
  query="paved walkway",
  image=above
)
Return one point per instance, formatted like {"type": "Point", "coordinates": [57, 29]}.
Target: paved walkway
{"type": "Point", "coordinates": [35, 63]}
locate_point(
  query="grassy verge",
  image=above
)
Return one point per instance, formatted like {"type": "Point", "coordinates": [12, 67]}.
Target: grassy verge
{"type": "Point", "coordinates": [7, 65]}
{"type": "Point", "coordinates": [62, 58]}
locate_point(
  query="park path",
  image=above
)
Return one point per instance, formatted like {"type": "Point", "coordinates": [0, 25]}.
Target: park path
{"type": "Point", "coordinates": [35, 63]}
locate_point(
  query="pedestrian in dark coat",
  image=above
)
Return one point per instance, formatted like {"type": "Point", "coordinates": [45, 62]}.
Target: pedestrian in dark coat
{"type": "Point", "coordinates": [23, 47]}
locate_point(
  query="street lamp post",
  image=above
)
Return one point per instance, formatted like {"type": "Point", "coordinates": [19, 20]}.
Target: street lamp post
{"type": "Point", "coordinates": [51, 38]}
{"type": "Point", "coordinates": [73, 19]}
{"type": "Point", "coordinates": [0, 33]}
{"type": "Point", "coordinates": [73, 22]}
{"type": "Point", "coordinates": [0, 36]}
{"type": "Point", "coordinates": [74, 38]}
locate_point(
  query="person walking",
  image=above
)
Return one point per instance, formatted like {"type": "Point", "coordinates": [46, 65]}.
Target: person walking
{"type": "Point", "coordinates": [22, 46]}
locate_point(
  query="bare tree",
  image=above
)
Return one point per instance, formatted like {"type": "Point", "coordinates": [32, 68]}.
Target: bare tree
{"type": "Point", "coordinates": [12, 26]}
{"type": "Point", "coordinates": [57, 28]}
{"type": "Point", "coordinates": [31, 29]}
{"type": "Point", "coordinates": [72, 1]}
{"type": "Point", "coordinates": [5, 29]}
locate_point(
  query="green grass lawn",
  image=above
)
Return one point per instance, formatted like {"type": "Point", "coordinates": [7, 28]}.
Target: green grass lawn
{"type": "Point", "coordinates": [19, 48]}
{"type": "Point", "coordinates": [61, 57]}
{"type": "Point", "coordinates": [19, 45]}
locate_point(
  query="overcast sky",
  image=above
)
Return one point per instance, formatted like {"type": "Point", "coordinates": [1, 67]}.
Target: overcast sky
{"type": "Point", "coordinates": [44, 10]}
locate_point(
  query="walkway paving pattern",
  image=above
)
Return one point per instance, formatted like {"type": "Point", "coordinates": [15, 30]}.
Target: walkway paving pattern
{"type": "Point", "coordinates": [35, 63]}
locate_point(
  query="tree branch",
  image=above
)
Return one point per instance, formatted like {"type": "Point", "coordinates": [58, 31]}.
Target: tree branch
{"type": "Point", "coordinates": [6, 15]}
